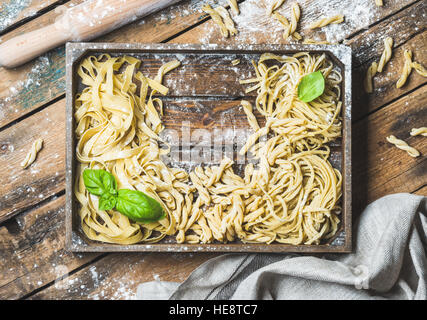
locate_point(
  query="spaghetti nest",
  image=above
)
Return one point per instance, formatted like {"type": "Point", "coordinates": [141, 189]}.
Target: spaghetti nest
{"type": "Point", "coordinates": [289, 196]}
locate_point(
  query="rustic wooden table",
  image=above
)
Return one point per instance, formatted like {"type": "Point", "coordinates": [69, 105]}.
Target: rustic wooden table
{"type": "Point", "coordinates": [33, 262]}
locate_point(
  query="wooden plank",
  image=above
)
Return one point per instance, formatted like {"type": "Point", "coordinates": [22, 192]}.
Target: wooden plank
{"type": "Point", "coordinates": [32, 250]}
{"type": "Point", "coordinates": [117, 276]}
{"type": "Point", "coordinates": [19, 11]}
{"type": "Point", "coordinates": [45, 177]}
{"type": "Point", "coordinates": [379, 168]}
{"type": "Point", "coordinates": [34, 84]}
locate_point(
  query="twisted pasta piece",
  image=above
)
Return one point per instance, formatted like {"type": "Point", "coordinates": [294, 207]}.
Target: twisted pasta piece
{"type": "Point", "coordinates": [386, 55]}
{"type": "Point", "coordinates": [274, 6]}
{"type": "Point", "coordinates": [370, 73]}
{"type": "Point", "coordinates": [289, 27]}
{"type": "Point", "coordinates": [295, 15]}
{"type": "Point", "coordinates": [419, 69]}
{"type": "Point", "coordinates": [234, 6]}
{"type": "Point", "coordinates": [407, 68]}
{"type": "Point", "coordinates": [324, 22]}
{"type": "Point", "coordinates": [221, 17]}
{"type": "Point", "coordinates": [283, 21]}
{"type": "Point", "coordinates": [419, 131]}
{"type": "Point", "coordinates": [403, 145]}
{"type": "Point", "coordinates": [235, 62]}
{"type": "Point", "coordinates": [32, 154]}
{"type": "Point", "coordinates": [228, 22]}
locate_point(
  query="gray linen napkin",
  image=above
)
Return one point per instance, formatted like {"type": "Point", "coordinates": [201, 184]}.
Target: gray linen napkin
{"type": "Point", "coordinates": [388, 262]}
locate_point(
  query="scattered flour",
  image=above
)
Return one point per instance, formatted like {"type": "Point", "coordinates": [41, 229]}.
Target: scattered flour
{"type": "Point", "coordinates": [11, 10]}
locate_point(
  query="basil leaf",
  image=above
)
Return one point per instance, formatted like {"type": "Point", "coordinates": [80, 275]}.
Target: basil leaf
{"type": "Point", "coordinates": [139, 207]}
{"type": "Point", "coordinates": [99, 182]}
{"type": "Point", "coordinates": [107, 201]}
{"type": "Point", "coordinates": [311, 86]}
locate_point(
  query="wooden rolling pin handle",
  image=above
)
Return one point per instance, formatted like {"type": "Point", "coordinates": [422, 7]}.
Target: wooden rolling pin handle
{"type": "Point", "coordinates": [25, 47]}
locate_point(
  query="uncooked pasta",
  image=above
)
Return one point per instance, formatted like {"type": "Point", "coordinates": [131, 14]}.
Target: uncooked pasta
{"type": "Point", "coordinates": [228, 22]}
{"type": "Point", "coordinates": [419, 131]}
{"type": "Point", "coordinates": [419, 69]}
{"type": "Point", "coordinates": [407, 68]}
{"type": "Point", "coordinates": [274, 6]}
{"type": "Point", "coordinates": [234, 6]}
{"type": "Point", "coordinates": [295, 15]}
{"type": "Point", "coordinates": [221, 17]}
{"type": "Point", "coordinates": [290, 194]}
{"type": "Point", "coordinates": [379, 3]}
{"type": "Point", "coordinates": [370, 73]}
{"type": "Point", "coordinates": [325, 21]}
{"type": "Point", "coordinates": [386, 55]}
{"type": "Point", "coordinates": [32, 154]}
{"type": "Point", "coordinates": [403, 146]}
{"type": "Point", "coordinates": [287, 26]}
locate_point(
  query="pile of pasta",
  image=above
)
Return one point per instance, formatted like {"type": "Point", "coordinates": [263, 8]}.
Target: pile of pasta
{"type": "Point", "coordinates": [290, 195]}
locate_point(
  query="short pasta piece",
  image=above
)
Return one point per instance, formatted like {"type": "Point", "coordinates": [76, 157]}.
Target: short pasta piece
{"type": "Point", "coordinates": [235, 62]}
{"type": "Point", "coordinates": [287, 26]}
{"type": "Point", "coordinates": [379, 3]}
{"type": "Point", "coordinates": [407, 68]}
{"type": "Point", "coordinates": [221, 17]}
{"type": "Point", "coordinates": [275, 5]}
{"type": "Point", "coordinates": [234, 6]}
{"type": "Point", "coordinates": [386, 55]}
{"type": "Point", "coordinates": [324, 22]}
{"type": "Point", "coordinates": [32, 154]}
{"type": "Point", "coordinates": [295, 15]}
{"type": "Point", "coordinates": [419, 131]}
{"type": "Point", "coordinates": [419, 69]}
{"type": "Point", "coordinates": [228, 22]}
{"type": "Point", "coordinates": [403, 146]}
{"type": "Point", "coordinates": [372, 70]}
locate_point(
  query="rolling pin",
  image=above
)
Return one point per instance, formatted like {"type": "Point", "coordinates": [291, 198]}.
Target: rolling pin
{"type": "Point", "coordinates": [83, 22]}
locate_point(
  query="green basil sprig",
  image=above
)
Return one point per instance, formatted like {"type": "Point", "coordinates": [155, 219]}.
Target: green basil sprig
{"type": "Point", "coordinates": [134, 204]}
{"type": "Point", "coordinates": [311, 86]}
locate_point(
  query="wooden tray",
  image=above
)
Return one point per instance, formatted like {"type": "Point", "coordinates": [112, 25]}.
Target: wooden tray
{"type": "Point", "coordinates": [205, 93]}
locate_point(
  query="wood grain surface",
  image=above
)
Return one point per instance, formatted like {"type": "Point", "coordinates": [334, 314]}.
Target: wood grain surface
{"type": "Point", "coordinates": [33, 262]}
{"type": "Point", "coordinates": [16, 12]}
